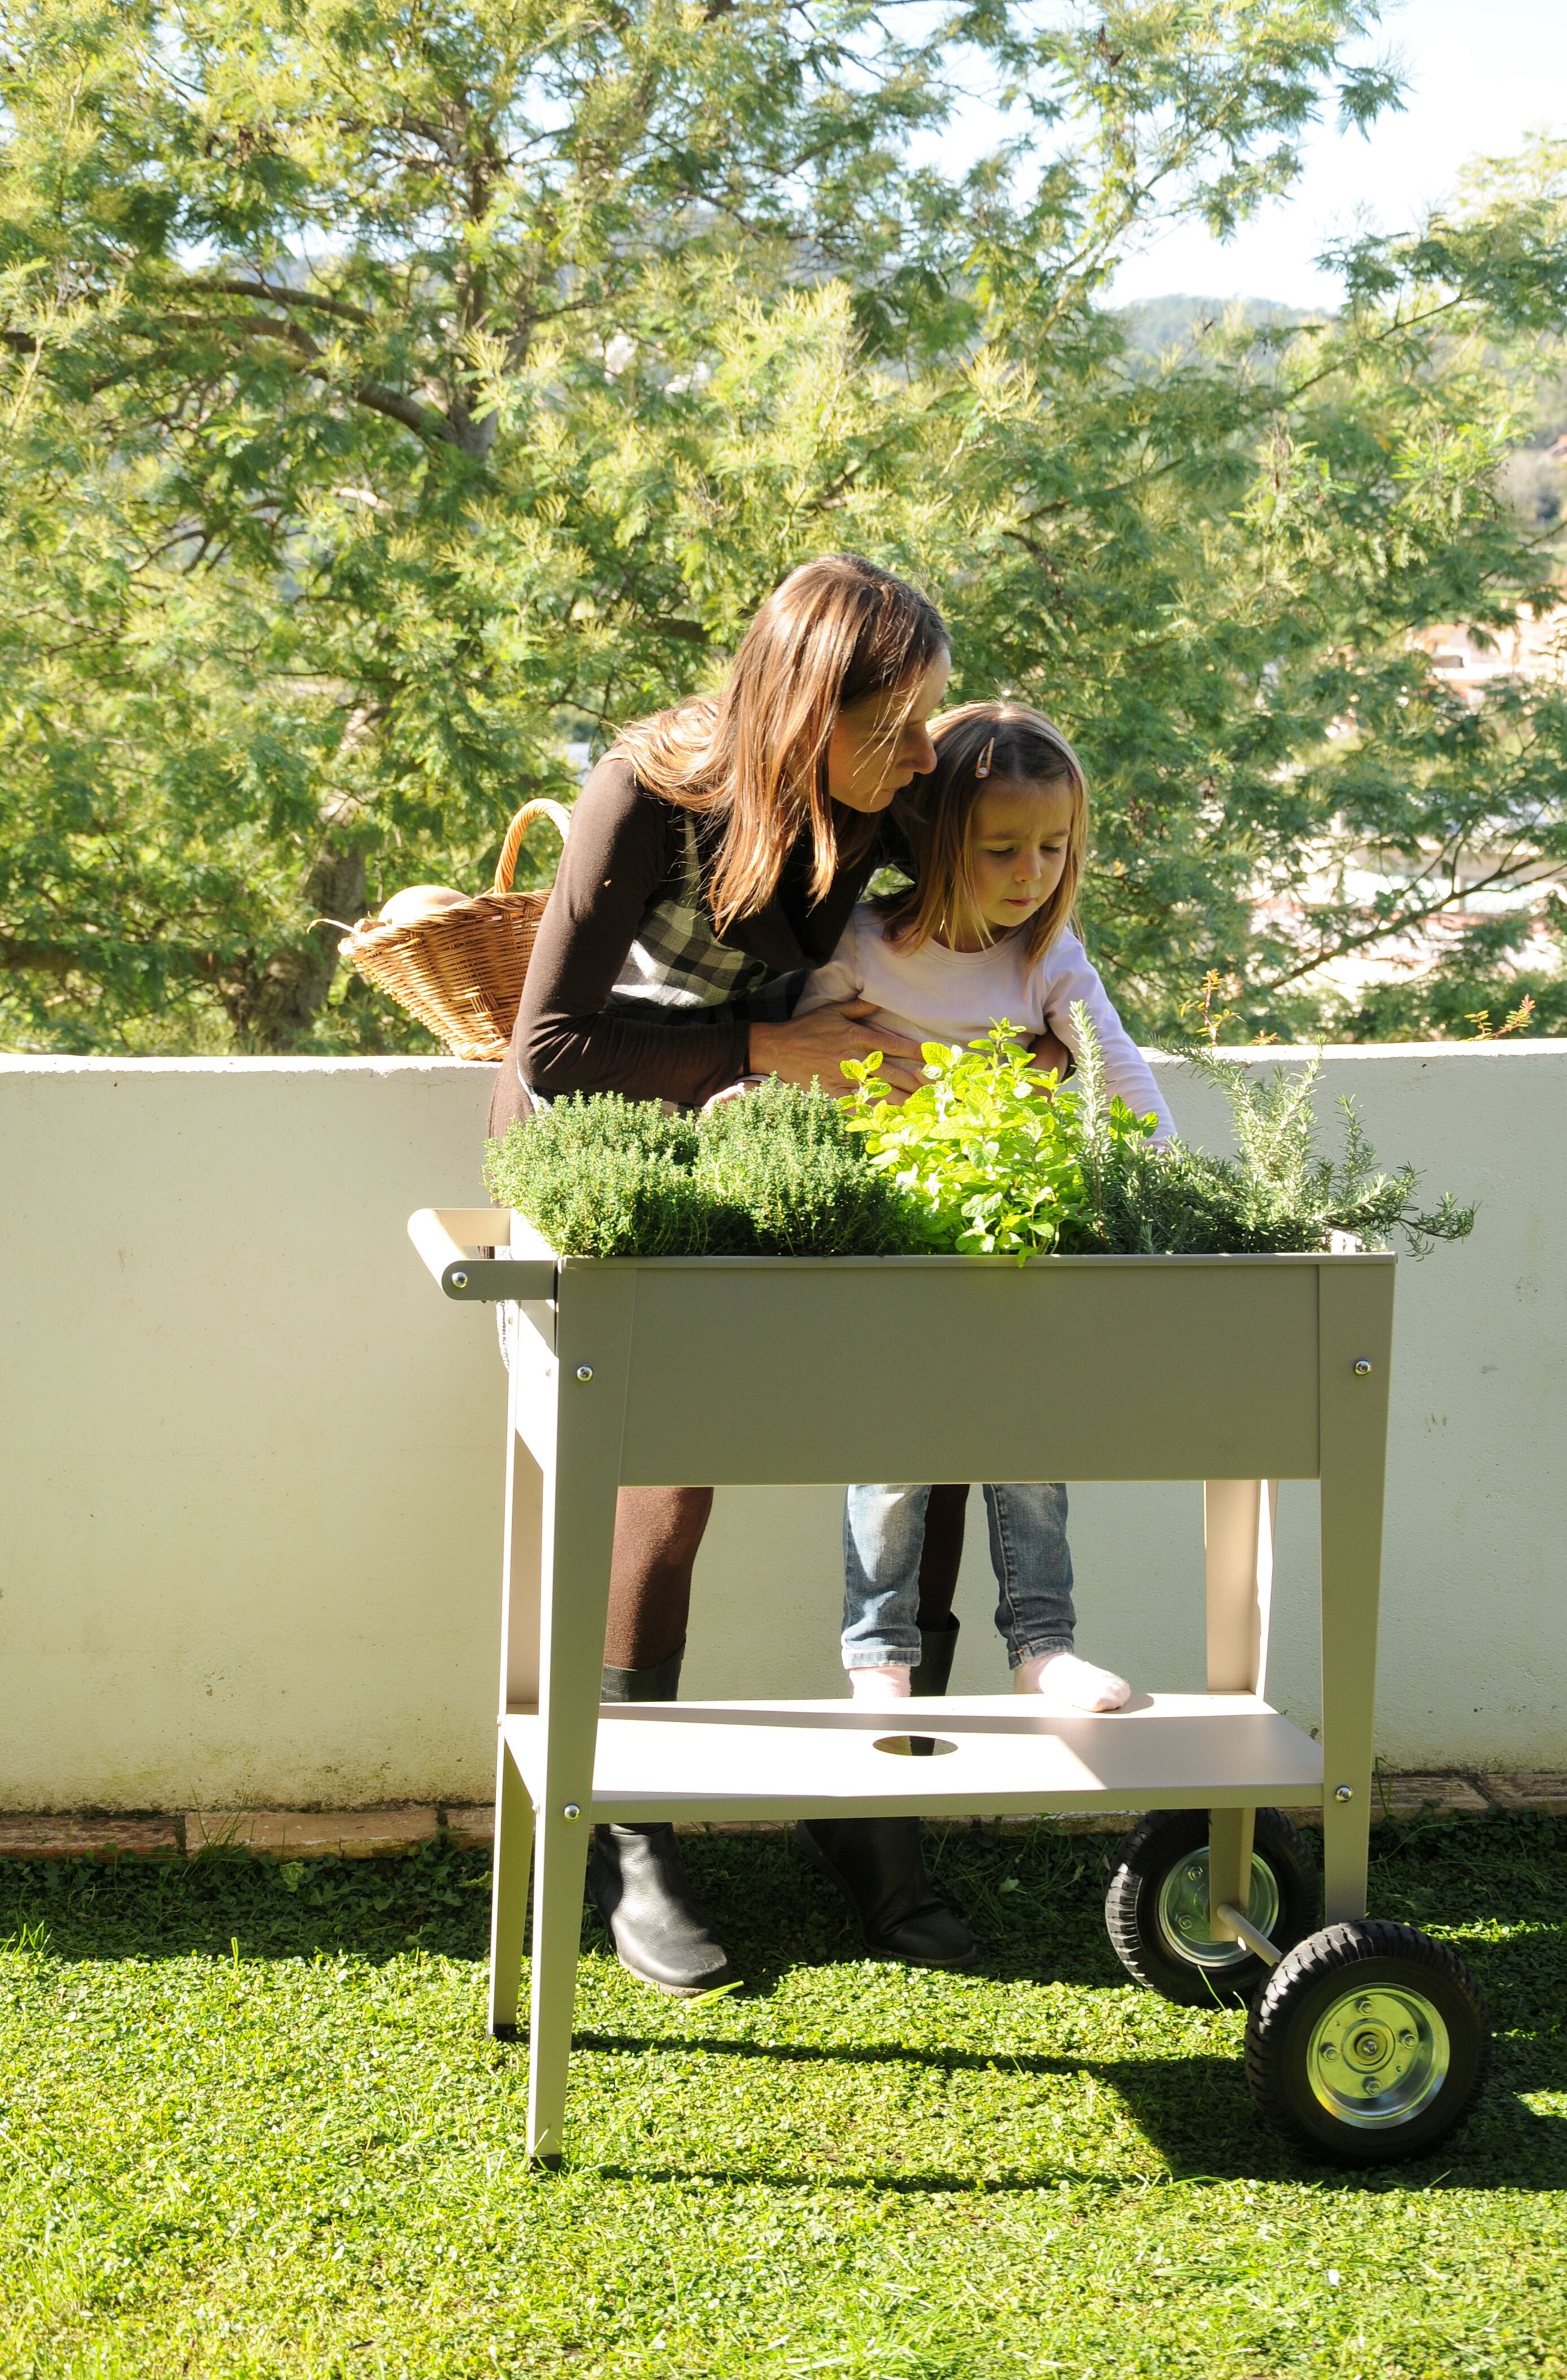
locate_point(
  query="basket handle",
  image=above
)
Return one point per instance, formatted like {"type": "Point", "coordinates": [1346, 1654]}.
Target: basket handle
{"type": "Point", "coordinates": [559, 819]}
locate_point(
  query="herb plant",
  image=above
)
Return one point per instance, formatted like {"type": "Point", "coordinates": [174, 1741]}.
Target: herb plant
{"type": "Point", "coordinates": [775, 1174]}
{"type": "Point", "coordinates": [1277, 1194]}
{"type": "Point", "coordinates": [990, 1162]}
{"type": "Point", "coordinates": [994, 1156]}
{"type": "Point", "coordinates": [990, 1156]}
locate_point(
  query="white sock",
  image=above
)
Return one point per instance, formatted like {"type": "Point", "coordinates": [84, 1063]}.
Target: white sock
{"type": "Point", "coordinates": [1066, 1684]}
{"type": "Point", "coordinates": [881, 1686]}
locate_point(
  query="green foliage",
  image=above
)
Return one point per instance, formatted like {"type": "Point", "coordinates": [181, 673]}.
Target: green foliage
{"type": "Point", "coordinates": [1279, 1192]}
{"type": "Point", "coordinates": [604, 1177]}
{"type": "Point", "coordinates": [782, 1162]}
{"type": "Point", "coordinates": [773, 1173]}
{"type": "Point", "coordinates": [992, 1158]}
{"type": "Point", "coordinates": [389, 397]}
{"type": "Point", "coordinates": [989, 1156]}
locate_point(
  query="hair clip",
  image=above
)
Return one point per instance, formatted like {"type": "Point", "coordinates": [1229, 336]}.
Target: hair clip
{"type": "Point", "coordinates": [982, 768]}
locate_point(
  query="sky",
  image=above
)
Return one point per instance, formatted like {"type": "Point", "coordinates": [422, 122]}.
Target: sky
{"type": "Point", "coordinates": [1481, 75]}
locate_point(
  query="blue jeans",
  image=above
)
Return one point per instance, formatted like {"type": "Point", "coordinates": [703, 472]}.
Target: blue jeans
{"type": "Point", "coordinates": [883, 1538]}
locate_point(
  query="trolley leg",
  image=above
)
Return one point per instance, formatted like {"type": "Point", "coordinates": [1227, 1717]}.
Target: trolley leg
{"type": "Point", "coordinates": [1229, 1863]}
{"type": "Point", "coordinates": [1238, 1546]}
{"type": "Point", "coordinates": [1354, 1331]}
{"type": "Point", "coordinates": [531, 1369]}
{"type": "Point", "coordinates": [581, 1483]}
{"type": "Point", "coordinates": [508, 1905]}
{"type": "Point", "coordinates": [1351, 1533]}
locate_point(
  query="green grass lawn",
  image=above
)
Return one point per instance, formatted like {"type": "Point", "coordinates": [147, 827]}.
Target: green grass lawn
{"type": "Point", "coordinates": [250, 2123]}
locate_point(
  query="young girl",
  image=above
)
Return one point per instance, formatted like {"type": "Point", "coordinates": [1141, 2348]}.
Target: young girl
{"type": "Point", "coordinates": [997, 833]}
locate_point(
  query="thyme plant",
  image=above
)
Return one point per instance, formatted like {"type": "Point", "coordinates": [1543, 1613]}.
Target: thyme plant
{"type": "Point", "coordinates": [775, 1174]}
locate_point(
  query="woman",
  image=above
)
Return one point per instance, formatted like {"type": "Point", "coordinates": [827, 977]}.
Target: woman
{"type": "Point", "coordinates": [713, 861]}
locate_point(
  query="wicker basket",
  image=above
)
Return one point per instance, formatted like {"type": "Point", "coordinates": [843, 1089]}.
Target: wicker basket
{"type": "Point", "coordinates": [461, 971]}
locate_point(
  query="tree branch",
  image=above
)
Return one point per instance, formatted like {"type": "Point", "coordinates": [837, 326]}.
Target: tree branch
{"type": "Point", "coordinates": [225, 287]}
{"type": "Point", "coordinates": [40, 958]}
{"type": "Point", "coordinates": [1386, 928]}
{"type": "Point", "coordinates": [421, 419]}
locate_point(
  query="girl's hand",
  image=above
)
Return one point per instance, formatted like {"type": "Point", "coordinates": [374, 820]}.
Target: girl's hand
{"type": "Point", "coordinates": [746, 1084]}
{"type": "Point", "coordinates": [812, 1048]}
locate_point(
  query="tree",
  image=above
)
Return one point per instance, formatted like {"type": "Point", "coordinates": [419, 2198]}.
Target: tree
{"type": "Point", "coordinates": [390, 394]}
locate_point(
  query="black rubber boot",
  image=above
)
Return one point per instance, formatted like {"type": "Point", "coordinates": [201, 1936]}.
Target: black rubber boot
{"type": "Point", "coordinates": [878, 1866]}
{"type": "Point", "coordinates": [638, 1880]}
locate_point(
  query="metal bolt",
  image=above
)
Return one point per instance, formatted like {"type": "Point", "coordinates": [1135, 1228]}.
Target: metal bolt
{"type": "Point", "coordinates": [1184, 1925]}
{"type": "Point", "coordinates": [1194, 1875]}
{"type": "Point", "coordinates": [1328, 2050]}
{"type": "Point", "coordinates": [1370, 2086]}
{"type": "Point", "coordinates": [459, 1281]}
{"type": "Point", "coordinates": [1343, 1792]}
{"type": "Point", "coordinates": [1362, 1367]}
{"type": "Point", "coordinates": [572, 1810]}
{"type": "Point", "coordinates": [585, 1372]}
{"type": "Point", "coordinates": [1363, 2007]}
{"type": "Point", "coordinates": [1406, 2036]}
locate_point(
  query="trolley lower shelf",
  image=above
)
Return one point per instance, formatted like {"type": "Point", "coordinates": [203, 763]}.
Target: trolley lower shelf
{"type": "Point", "coordinates": [737, 1760]}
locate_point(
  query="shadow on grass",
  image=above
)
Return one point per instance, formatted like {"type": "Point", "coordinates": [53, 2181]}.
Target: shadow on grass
{"type": "Point", "coordinates": [1036, 1902]}
{"type": "Point", "coordinates": [1196, 2111]}
{"type": "Point", "coordinates": [1034, 1899]}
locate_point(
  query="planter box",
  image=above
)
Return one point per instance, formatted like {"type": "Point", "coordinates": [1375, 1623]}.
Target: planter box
{"type": "Point", "coordinates": [694, 1371]}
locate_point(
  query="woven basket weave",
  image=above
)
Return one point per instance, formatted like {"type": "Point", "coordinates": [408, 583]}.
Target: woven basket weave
{"type": "Point", "coordinates": [461, 971]}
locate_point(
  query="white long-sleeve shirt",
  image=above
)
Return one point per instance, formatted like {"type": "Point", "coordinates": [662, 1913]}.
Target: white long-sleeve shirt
{"type": "Point", "coordinates": [934, 994]}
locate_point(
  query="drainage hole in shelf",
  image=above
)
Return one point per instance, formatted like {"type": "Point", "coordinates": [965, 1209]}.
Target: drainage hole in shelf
{"type": "Point", "coordinates": [924, 1744]}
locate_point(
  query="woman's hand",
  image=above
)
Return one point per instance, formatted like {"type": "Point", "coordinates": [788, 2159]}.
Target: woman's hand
{"type": "Point", "coordinates": [812, 1048]}
{"type": "Point", "coordinates": [1051, 1054]}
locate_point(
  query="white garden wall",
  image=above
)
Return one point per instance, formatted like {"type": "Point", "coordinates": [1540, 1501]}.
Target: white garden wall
{"type": "Point", "coordinates": [251, 1459]}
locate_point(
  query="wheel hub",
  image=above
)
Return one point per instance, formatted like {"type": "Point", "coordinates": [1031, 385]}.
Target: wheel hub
{"type": "Point", "coordinates": [1377, 2057]}
{"type": "Point", "coordinates": [1183, 1911]}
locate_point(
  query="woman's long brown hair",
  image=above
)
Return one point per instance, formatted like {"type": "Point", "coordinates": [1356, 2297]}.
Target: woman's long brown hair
{"type": "Point", "coordinates": [755, 753]}
{"type": "Point", "coordinates": [979, 744]}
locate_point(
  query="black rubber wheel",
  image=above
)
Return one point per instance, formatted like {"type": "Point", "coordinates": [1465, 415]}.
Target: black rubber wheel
{"type": "Point", "coordinates": [1369, 2044]}
{"type": "Point", "coordinates": [1155, 1910]}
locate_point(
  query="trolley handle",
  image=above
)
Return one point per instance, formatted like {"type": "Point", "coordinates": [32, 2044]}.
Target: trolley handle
{"type": "Point", "coordinates": [442, 1236]}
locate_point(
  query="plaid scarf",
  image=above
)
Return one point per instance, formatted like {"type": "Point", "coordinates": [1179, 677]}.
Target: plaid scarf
{"type": "Point", "coordinates": [678, 961]}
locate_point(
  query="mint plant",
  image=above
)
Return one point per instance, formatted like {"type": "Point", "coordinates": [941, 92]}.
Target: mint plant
{"type": "Point", "coordinates": [995, 1158]}
{"type": "Point", "coordinates": [992, 1156]}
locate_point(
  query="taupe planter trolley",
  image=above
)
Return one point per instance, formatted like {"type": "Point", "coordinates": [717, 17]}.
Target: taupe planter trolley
{"type": "Point", "coordinates": [1366, 2040]}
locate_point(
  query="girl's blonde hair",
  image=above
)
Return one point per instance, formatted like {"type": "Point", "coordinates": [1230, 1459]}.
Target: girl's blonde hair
{"type": "Point", "coordinates": [755, 753]}
{"type": "Point", "coordinates": [979, 744]}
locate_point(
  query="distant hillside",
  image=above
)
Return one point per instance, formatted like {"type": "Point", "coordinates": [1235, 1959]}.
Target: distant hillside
{"type": "Point", "coordinates": [1155, 324]}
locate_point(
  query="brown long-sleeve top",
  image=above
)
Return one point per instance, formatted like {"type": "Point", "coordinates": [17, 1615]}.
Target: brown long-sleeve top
{"type": "Point", "coordinates": [626, 852]}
